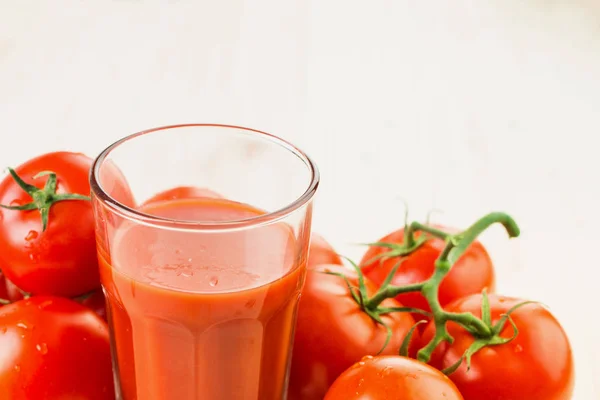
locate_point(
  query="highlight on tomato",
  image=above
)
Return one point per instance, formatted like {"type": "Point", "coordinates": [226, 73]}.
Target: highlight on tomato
{"type": "Point", "coordinates": [337, 326]}
{"type": "Point", "coordinates": [392, 378]}
{"type": "Point", "coordinates": [525, 355]}
{"type": "Point", "coordinates": [321, 252]}
{"type": "Point", "coordinates": [9, 292]}
{"type": "Point", "coordinates": [53, 348]}
{"type": "Point", "coordinates": [47, 239]}
{"type": "Point", "coordinates": [417, 249]}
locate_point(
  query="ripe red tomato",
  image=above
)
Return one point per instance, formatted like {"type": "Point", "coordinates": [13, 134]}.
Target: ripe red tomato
{"type": "Point", "coordinates": [470, 274]}
{"type": "Point", "coordinates": [96, 302]}
{"type": "Point", "coordinates": [536, 365]}
{"type": "Point", "coordinates": [333, 332]}
{"type": "Point", "coordinates": [321, 252]}
{"type": "Point", "coordinates": [60, 260]}
{"type": "Point", "coordinates": [183, 192]}
{"type": "Point", "coordinates": [392, 378]}
{"type": "Point", "coordinates": [52, 348]}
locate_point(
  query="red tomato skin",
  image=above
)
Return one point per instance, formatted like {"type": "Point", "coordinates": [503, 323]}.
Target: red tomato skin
{"type": "Point", "coordinates": [8, 290]}
{"type": "Point", "coordinates": [332, 332]}
{"type": "Point", "coordinates": [470, 274]}
{"type": "Point", "coordinates": [536, 365]}
{"type": "Point", "coordinates": [62, 260]}
{"type": "Point", "coordinates": [53, 349]}
{"type": "Point", "coordinates": [392, 378]}
{"type": "Point", "coordinates": [321, 252]}
{"type": "Point", "coordinates": [183, 192]}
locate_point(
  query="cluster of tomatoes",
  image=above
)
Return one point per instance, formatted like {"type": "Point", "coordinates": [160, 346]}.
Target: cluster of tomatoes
{"type": "Point", "coordinates": [416, 318]}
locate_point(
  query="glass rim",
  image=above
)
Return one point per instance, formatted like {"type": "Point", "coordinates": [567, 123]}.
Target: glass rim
{"type": "Point", "coordinates": [176, 224]}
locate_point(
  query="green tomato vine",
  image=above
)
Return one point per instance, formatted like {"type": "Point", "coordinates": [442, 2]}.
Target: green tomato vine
{"type": "Point", "coordinates": [482, 329]}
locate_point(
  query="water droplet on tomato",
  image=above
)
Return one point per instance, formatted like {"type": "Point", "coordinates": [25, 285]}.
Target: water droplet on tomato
{"type": "Point", "coordinates": [22, 325]}
{"type": "Point", "coordinates": [34, 258]}
{"type": "Point", "coordinates": [366, 358]}
{"type": "Point", "coordinates": [16, 203]}
{"type": "Point", "coordinates": [518, 348]}
{"type": "Point", "coordinates": [42, 348]}
{"type": "Point", "coordinates": [18, 368]}
{"type": "Point", "coordinates": [214, 281]}
{"type": "Point", "coordinates": [32, 235]}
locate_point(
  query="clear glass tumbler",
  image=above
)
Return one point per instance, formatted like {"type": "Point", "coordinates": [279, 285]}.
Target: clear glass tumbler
{"type": "Point", "coordinates": [202, 235]}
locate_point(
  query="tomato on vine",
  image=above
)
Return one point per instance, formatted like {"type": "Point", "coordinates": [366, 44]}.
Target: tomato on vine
{"type": "Point", "coordinates": [392, 378]}
{"type": "Point", "coordinates": [336, 328]}
{"type": "Point", "coordinates": [530, 357]}
{"type": "Point", "coordinates": [491, 347]}
{"type": "Point", "coordinates": [418, 251]}
{"type": "Point", "coordinates": [52, 348]}
{"type": "Point", "coordinates": [47, 239]}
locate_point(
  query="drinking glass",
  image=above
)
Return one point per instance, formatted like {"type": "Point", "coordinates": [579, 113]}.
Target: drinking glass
{"type": "Point", "coordinates": [202, 234]}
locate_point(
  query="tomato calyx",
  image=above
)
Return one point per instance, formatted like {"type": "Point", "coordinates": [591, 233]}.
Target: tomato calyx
{"type": "Point", "coordinates": [43, 199]}
{"type": "Point", "coordinates": [493, 339]}
{"type": "Point", "coordinates": [375, 311]}
{"type": "Point", "coordinates": [410, 243]}
{"type": "Point", "coordinates": [406, 342]}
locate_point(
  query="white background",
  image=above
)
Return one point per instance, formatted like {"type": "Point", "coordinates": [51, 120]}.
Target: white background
{"type": "Point", "coordinates": [467, 106]}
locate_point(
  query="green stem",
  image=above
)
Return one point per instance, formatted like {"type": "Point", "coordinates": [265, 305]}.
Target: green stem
{"type": "Point", "coordinates": [417, 226]}
{"type": "Point", "coordinates": [456, 245]}
{"type": "Point", "coordinates": [390, 291]}
{"type": "Point", "coordinates": [466, 238]}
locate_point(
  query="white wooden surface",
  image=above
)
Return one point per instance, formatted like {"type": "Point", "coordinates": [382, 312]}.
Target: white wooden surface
{"type": "Point", "coordinates": [466, 106]}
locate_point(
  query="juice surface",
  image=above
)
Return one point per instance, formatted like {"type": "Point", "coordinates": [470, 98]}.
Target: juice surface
{"type": "Point", "coordinates": [202, 315]}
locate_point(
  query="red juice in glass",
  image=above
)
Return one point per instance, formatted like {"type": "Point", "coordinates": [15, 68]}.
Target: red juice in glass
{"type": "Point", "coordinates": [202, 295]}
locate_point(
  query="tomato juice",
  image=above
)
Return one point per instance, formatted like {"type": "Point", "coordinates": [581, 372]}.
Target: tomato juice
{"type": "Point", "coordinates": [202, 314]}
